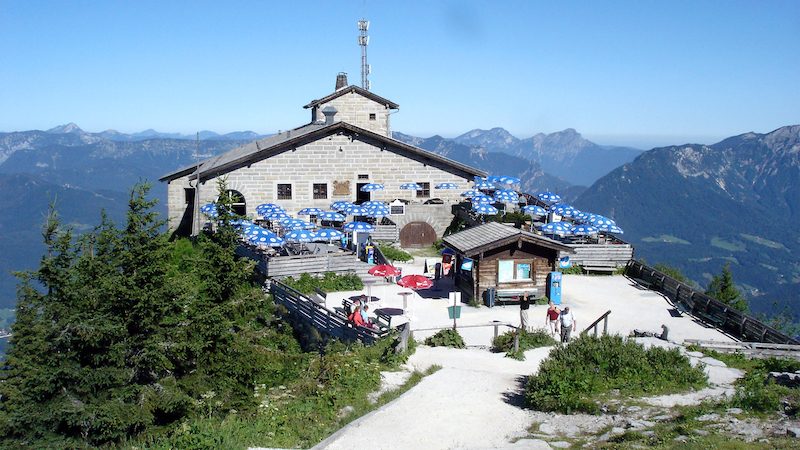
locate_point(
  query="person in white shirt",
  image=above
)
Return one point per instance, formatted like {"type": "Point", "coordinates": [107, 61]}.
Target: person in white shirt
{"type": "Point", "coordinates": [567, 324]}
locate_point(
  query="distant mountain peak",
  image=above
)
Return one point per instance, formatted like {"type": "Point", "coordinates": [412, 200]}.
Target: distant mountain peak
{"type": "Point", "coordinates": [65, 129]}
{"type": "Point", "coordinates": [496, 138]}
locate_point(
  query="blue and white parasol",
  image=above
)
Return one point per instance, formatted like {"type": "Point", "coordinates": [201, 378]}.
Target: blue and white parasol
{"type": "Point", "coordinates": [331, 216]}
{"type": "Point", "coordinates": [310, 211]}
{"type": "Point", "coordinates": [355, 211]}
{"type": "Point", "coordinates": [371, 187]}
{"type": "Point", "coordinates": [471, 193]}
{"type": "Point", "coordinates": [484, 209]}
{"type": "Point", "coordinates": [299, 236]}
{"type": "Point", "coordinates": [549, 197]}
{"type": "Point", "coordinates": [482, 199]}
{"type": "Point", "coordinates": [506, 196]}
{"type": "Point", "coordinates": [559, 228]}
{"type": "Point", "coordinates": [534, 210]}
{"type": "Point", "coordinates": [446, 186]}
{"type": "Point", "coordinates": [358, 226]}
{"type": "Point", "coordinates": [411, 186]}
{"type": "Point", "coordinates": [328, 234]}
{"type": "Point", "coordinates": [483, 185]}
{"type": "Point", "coordinates": [209, 209]}
{"type": "Point", "coordinates": [340, 205]}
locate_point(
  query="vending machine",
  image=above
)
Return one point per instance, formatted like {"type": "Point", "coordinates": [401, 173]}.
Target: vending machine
{"type": "Point", "coordinates": [554, 287]}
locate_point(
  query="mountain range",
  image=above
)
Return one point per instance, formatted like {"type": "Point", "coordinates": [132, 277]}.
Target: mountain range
{"type": "Point", "coordinates": [694, 207]}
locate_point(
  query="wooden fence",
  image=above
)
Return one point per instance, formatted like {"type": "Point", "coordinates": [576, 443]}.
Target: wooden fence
{"type": "Point", "coordinates": [323, 319]}
{"type": "Point", "coordinates": [707, 309]}
{"type": "Point", "coordinates": [616, 252]}
{"type": "Point", "coordinates": [319, 263]}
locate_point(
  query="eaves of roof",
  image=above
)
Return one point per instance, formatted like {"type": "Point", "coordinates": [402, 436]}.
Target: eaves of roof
{"type": "Point", "coordinates": [356, 90]}
{"type": "Point", "coordinates": [491, 235]}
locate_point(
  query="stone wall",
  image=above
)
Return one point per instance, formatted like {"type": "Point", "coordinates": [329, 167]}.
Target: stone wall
{"type": "Point", "coordinates": [356, 109]}
{"type": "Point", "coordinates": [339, 162]}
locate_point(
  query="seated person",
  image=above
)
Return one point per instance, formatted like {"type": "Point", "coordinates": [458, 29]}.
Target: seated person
{"type": "Point", "coordinates": [358, 319]}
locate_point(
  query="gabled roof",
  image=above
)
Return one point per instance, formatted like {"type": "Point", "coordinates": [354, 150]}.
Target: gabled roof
{"type": "Point", "coordinates": [355, 90]}
{"type": "Point", "coordinates": [267, 147]}
{"type": "Point", "coordinates": [491, 235]}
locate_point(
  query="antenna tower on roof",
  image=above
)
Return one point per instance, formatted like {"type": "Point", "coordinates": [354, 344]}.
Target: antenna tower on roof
{"type": "Point", "coordinates": [363, 40]}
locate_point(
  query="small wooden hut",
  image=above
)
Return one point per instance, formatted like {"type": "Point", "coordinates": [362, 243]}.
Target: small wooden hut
{"type": "Point", "coordinates": [503, 258]}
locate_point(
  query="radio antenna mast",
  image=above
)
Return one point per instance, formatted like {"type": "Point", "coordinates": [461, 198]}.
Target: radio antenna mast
{"type": "Point", "coordinates": [363, 40]}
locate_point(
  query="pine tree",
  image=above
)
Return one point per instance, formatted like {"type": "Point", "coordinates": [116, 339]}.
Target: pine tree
{"type": "Point", "coordinates": [723, 288]}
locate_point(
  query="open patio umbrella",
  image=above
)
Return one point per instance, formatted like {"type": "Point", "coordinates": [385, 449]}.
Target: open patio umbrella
{"type": "Point", "coordinates": [563, 209]}
{"type": "Point", "coordinates": [209, 209]}
{"type": "Point", "coordinates": [478, 199]}
{"type": "Point", "coordinates": [384, 270]}
{"type": "Point", "coordinates": [371, 187]}
{"type": "Point", "coordinates": [411, 186]}
{"type": "Point", "coordinates": [483, 185]}
{"type": "Point", "coordinates": [296, 224]}
{"type": "Point", "coordinates": [484, 209]}
{"type": "Point", "coordinates": [559, 228]}
{"type": "Point", "coordinates": [299, 236]}
{"type": "Point", "coordinates": [328, 234]}
{"type": "Point", "coordinates": [600, 220]}
{"type": "Point", "coordinates": [331, 216]}
{"type": "Point", "coordinates": [471, 193]}
{"type": "Point", "coordinates": [506, 196]}
{"type": "Point", "coordinates": [506, 180]}
{"type": "Point", "coordinates": [372, 203]}
{"type": "Point", "coordinates": [549, 197]}
{"type": "Point", "coordinates": [355, 211]}
{"type": "Point", "coordinates": [267, 207]}
{"type": "Point", "coordinates": [310, 211]}
{"type": "Point", "coordinates": [378, 211]}
{"type": "Point", "coordinates": [340, 205]}
{"type": "Point", "coordinates": [262, 236]}
{"type": "Point", "coordinates": [276, 215]}
{"type": "Point", "coordinates": [358, 226]}
{"type": "Point", "coordinates": [610, 229]}
{"type": "Point", "coordinates": [415, 282]}
{"type": "Point", "coordinates": [534, 210]}
{"type": "Point", "coordinates": [446, 186]}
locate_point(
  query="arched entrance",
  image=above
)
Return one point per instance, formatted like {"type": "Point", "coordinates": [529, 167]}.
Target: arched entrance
{"type": "Point", "coordinates": [417, 234]}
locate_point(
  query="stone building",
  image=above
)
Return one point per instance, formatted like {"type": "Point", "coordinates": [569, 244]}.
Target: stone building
{"type": "Point", "coordinates": [346, 145]}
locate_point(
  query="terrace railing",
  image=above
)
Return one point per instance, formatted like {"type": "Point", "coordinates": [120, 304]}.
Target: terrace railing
{"type": "Point", "coordinates": [705, 308]}
{"type": "Point", "coordinates": [323, 319]}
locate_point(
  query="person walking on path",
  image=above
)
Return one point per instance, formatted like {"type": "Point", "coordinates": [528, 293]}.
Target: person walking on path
{"type": "Point", "coordinates": [524, 305]}
{"type": "Point", "coordinates": [567, 324]}
{"type": "Point", "coordinates": [551, 318]}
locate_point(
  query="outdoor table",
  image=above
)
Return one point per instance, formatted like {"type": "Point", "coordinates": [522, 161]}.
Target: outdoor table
{"type": "Point", "coordinates": [369, 298]}
{"type": "Point", "coordinates": [390, 311]}
{"type": "Point", "coordinates": [405, 298]}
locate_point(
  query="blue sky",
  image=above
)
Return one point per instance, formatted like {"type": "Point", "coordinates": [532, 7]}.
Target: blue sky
{"type": "Point", "coordinates": [624, 72]}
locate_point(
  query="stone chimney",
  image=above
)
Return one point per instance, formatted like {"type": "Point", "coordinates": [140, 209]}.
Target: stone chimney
{"type": "Point", "coordinates": [329, 112]}
{"type": "Point", "coordinates": [341, 80]}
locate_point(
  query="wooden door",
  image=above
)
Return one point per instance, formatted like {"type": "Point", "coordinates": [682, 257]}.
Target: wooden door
{"type": "Point", "coordinates": [417, 234]}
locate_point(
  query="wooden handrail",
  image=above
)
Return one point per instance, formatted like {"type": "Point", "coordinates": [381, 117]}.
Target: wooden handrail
{"type": "Point", "coordinates": [604, 318]}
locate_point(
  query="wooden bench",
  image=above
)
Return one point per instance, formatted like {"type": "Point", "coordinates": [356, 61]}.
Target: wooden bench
{"type": "Point", "coordinates": [608, 267]}
{"type": "Point", "coordinates": [714, 317]}
{"type": "Point", "coordinates": [346, 309]}
{"type": "Point", "coordinates": [318, 296]}
{"type": "Point", "coordinates": [383, 321]}
{"type": "Point", "coordinates": [513, 295]}
{"type": "Point", "coordinates": [645, 284]}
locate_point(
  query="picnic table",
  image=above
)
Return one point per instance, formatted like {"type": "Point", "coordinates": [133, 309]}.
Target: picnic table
{"type": "Point", "coordinates": [369, 298]}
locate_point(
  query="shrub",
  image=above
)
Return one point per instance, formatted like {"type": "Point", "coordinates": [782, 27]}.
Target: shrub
{"type": "Point", "coordinates": [330, 282]}
{"type": "Point", "coordinates": [572, 270]}
{"type": "Point", "coordinates": [446, 338]}
{"type": "Point", "coordinates": [535, 339]}
{"type": "Point", "coordinates": [394, 254]}
{"type": "Point", "coordinates": [589, 365]}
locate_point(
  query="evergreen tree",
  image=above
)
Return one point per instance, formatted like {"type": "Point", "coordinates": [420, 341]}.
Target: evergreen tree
{"type": "Point", "coordinates": [723, 288]}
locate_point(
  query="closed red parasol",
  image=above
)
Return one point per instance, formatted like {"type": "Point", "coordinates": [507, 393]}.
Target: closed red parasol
{"type": "Point", "coordinates": [415, 282]}
{"type": "Point", "coordinates": [384, 270]}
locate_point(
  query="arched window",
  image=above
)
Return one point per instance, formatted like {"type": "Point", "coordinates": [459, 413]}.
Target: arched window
{"type": "Point", "coordinates": [238, 205]}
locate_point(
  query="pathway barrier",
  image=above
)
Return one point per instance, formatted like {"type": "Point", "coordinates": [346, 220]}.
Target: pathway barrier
{"type": "Point", "coordinates": [705, 308]}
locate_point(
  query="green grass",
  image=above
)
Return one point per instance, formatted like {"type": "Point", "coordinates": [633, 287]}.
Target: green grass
{"type": "Point", "coordinates": [668, 239]}
{"type": "Point", "coordinates": [762, 241]}
{"type": "Point", "coordinates": [423, 252]}
{"type": "Point", "coordinates": [725, 245]}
